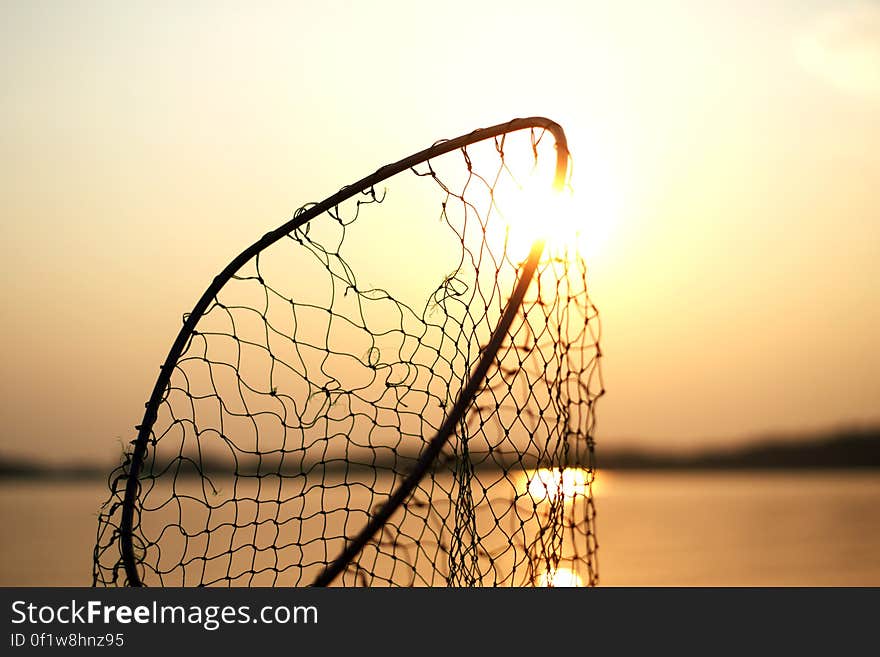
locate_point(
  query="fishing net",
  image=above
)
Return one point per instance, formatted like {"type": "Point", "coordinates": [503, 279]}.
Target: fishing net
{"type": "Point", "coordinates": [321, 364]}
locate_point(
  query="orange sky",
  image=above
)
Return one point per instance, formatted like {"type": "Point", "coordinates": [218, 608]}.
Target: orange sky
{"type": "Point", "coordinates": [728, 153]}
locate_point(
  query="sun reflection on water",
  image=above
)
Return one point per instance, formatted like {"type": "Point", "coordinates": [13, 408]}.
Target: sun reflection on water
{"type": "Point", "coordinates": [550, 483]}
{"type": "Point", "coordinates": [560, 578]}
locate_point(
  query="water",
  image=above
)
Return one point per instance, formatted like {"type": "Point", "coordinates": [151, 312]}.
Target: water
{"type": "Point", "coordinates": [655, 529]}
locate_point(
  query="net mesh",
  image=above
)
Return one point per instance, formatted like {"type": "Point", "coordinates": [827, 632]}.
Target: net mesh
{"type": "Point", "coordinates": [322, 368]}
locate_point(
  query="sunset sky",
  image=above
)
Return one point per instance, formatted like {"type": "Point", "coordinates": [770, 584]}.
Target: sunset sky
{"type": "Point", "coordinates": [728, 152]}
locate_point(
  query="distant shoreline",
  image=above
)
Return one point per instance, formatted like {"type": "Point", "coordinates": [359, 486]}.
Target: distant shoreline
{"type": "Point", "coordinates": [841, 449]}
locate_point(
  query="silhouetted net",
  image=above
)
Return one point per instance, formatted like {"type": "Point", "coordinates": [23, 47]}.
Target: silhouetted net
{"type": "Point", "coordinates": [321, 370]}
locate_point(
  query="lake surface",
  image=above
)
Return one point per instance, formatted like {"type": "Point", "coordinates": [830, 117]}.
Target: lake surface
{"type": "Point", "coordinates": [654, 529]}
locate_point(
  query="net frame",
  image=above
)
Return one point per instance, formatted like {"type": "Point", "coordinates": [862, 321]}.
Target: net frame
{"type": "Point", "coordinates": [131, 470]}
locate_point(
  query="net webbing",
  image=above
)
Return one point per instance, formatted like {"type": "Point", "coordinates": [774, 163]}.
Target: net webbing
{"type": "Point", "coordinates": [318, 373]}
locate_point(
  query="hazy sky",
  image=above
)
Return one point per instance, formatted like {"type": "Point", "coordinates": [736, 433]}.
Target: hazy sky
{"type": "Point", "coordinates": [731, 149]}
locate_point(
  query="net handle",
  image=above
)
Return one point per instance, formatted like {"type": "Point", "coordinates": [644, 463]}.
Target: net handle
{"type": "Point", "coordinates": [430, 453]}
{"type": "Point", "coordinates": [145, 428]}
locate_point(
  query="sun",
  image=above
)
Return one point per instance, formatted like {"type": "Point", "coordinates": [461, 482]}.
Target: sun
{"type": "Point", "coordinates": [576, 219]}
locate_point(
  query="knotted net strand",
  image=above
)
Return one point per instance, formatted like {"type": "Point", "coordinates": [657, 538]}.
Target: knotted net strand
{"type": "Point", "coordinates": [319, 371]}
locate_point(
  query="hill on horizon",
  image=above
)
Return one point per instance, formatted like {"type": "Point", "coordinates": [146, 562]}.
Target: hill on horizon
{"type": "Point", "coordinates": [857, 447]}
